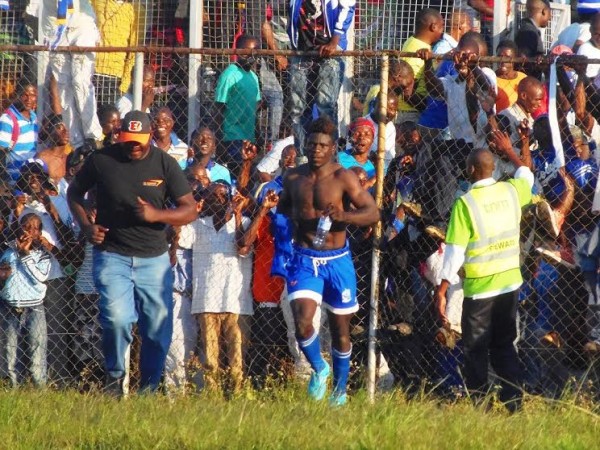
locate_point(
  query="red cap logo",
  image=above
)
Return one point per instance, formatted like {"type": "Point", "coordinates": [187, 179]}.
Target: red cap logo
{"type": "Point", "coordinates": [135, 126]}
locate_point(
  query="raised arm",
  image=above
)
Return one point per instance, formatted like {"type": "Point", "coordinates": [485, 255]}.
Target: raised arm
{"type": "Point", "coordinates": [269, 38]}
{"type": "Point", "coordinates": [434, 86]}
{"type": "Point", "coordinates": [270, 201]}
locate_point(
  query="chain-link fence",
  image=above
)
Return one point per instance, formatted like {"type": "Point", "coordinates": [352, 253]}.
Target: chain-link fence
{"type": "Point", "coordinates": [230, 314]}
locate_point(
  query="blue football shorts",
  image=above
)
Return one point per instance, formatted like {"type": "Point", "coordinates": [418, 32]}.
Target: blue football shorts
{"type": "Point", "coordinates": [325, 276]}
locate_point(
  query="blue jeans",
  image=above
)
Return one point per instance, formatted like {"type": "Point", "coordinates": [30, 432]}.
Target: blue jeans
{"type": "Point", "coordinates": [31, 321]}
{"type": "Point", "coordinates": [314, 83]}
{"type": "Point", "coordinates": [134, 290]}
{"type": "Point", "coordinates": [273, 95]}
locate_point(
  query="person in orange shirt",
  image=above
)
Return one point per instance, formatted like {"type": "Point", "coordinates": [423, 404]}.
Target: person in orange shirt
{"type": "Point", "coordinates": [508, 78]}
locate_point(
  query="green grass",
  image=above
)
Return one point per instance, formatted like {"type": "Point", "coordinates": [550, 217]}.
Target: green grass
{"type": "Point", "coordinates": [287, 420]}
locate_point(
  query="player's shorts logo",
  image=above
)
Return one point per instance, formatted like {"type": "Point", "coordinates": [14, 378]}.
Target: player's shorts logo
{"type": "Point", "coordinates": [293, 282]}
{"type": "Point", "coordinates": [346, 296]}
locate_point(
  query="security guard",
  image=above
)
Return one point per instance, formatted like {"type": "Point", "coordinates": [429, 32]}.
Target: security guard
{"type": "Point", "coordinates": [483, 238]}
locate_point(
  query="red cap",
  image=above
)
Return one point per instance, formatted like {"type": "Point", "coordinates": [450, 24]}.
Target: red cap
{"type": "Point", "coordinates": [362, 122]}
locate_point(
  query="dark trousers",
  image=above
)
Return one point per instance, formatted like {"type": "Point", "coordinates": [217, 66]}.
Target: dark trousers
{"type": "Point", "coordinates": [489, 329]}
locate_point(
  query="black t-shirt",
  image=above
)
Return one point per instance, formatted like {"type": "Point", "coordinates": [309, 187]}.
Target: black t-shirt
{"type": "Point", "coordinates": [312, 30]}
{"type": "Point", "coordinates": [119, 181]}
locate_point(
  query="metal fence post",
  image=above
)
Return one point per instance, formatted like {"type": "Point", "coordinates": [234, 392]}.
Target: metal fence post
{"type": "Point", "coordinates": [195, 61]}
{"type": "Point", "coordinates": [374, 301]}
{"type": "Point", "coordinates": [138, 79]}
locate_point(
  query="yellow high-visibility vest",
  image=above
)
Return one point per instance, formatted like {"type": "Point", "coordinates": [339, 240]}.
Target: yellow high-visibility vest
{"type": "Point", "coordinates": [495, 215]}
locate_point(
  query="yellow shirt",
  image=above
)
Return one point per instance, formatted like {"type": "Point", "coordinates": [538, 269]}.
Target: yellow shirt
{"type": "Point", "coordinates": [507, 91]}
{"type": "Point", "coordinates": [413, 44]}
{"type": "Point", "coordinates": [118, 23]}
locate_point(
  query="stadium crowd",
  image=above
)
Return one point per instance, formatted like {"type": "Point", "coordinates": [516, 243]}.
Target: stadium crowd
{"type": "Point", "coordinates": [230, 312]}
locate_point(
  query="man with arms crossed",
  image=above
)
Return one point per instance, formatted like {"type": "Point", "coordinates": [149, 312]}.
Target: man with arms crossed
{"type": "Point", "coordinates": [132, 272]}
{"type": "Point", "coordinates": [322, 187]}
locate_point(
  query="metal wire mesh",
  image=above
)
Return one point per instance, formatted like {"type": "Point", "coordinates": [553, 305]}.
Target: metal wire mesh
{"type": "Point", "coordinates": [254, 339]}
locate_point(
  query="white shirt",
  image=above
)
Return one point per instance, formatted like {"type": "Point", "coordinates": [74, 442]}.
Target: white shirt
{"type": "Point", "coordinates": [390, 140]}
{"type": "Point", "coordinates": [573, 33]}
{"type": "Point", "coordinates": [444, 45]}
{"type": "Point", "coordinates": [270, 162]}
{"type": "Point", "coordinates": [220, 277]}
{"type": "Point", "coordinates": [458, 115]}
{"type": "Point", "coordinates": [591, 52]}
{"type": "Point", "coordinates": [61, 204]}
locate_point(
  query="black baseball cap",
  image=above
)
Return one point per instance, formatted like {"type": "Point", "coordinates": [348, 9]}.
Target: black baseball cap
{"type": "Point", "coordinates": [135, 127]}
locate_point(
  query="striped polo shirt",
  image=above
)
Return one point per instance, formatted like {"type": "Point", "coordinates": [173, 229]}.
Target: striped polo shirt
{"type": "Point", "coordinates": [25, 147]}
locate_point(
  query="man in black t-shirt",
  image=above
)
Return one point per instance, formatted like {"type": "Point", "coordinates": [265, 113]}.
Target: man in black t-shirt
{"type": "Point", "coordinates": [132, 272]}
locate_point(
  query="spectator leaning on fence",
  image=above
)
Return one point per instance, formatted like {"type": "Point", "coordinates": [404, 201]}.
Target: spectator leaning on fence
{"type": "Point", "coordinates": [401, 81]}
{"type": "Point", "coordinates": [268, 326]}
{"type": "Point", "coordinates": [221, 283]}
{"type": "Point", "coordinates": [204, 146]}
{"type": "Point", "coordinates": [483, 238]}
{"type": "Point", "coordinates": [311, 191]}
{"type": "Point", "coordinates": [316, 25]}
{"type": "Point", "coordinates": [131, 265]}
{"type": "Point", "coordinates": [19, 131]}
{"type": "Point", "coordinates": [429, 28]}
{"type": "Point", "coordinates": [467, 118]}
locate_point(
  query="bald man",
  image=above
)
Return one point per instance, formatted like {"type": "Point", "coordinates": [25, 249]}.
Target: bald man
{"type": "Point", "coordinates": [483, 238]}
{"type": "Point", "coordinates": [530, 98]}
{"type": "Point", "coordinates": [463, 91]}
{"type": "Point", "coordinates": [460, 23]}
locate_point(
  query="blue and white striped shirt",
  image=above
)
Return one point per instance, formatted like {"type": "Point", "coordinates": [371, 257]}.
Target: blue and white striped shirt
{"type": "Point", "coordinates": [25, 146]}
{"type": "Point", "coordinates": [26, 286]}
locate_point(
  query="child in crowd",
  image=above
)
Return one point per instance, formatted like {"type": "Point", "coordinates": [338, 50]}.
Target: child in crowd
{"type": "Point", "coordinates": [24, 267]}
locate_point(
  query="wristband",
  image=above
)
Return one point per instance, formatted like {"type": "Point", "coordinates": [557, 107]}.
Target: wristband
{"type": "Point", "coordinates": [398, 225]}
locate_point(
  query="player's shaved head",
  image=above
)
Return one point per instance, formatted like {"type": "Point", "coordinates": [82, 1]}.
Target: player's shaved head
{"type": "Point", "coordinates": [480, 164]}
